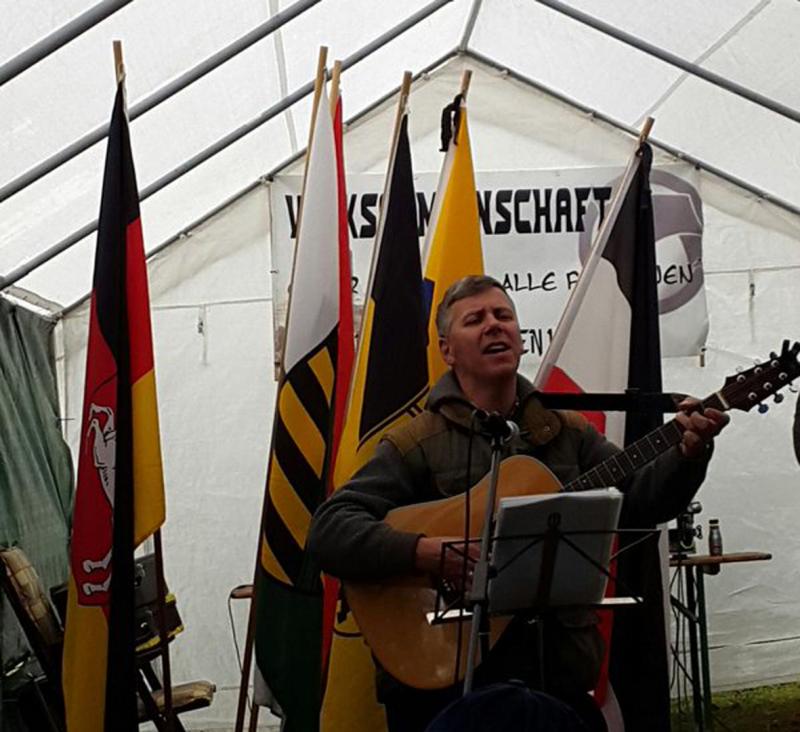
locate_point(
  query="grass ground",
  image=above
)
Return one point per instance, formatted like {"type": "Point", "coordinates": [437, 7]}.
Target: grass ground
{"type": "Point", "coordinates": [751, 710]}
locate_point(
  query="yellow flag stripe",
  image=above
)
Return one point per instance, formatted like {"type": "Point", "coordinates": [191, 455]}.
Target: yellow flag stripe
{"type": "Point", "coordinates": [84, 664]}
{"type": "Point", "coordinates": [148, 476]}
{"type": "Point", "coordinates": [322, 366]}
{"type": "Point", "coordinates": [270, 564]}
{"type": "Point", "coordinates": [301, 428]}
{"type": "Point", "coordinates": [287, 503]}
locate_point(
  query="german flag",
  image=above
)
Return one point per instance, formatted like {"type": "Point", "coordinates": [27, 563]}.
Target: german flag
{"type": "Point", "coordinates": [119, 498]}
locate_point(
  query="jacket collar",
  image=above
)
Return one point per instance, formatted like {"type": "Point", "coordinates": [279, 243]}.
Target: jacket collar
{"type": "Point", "coordinates": [537, 424]}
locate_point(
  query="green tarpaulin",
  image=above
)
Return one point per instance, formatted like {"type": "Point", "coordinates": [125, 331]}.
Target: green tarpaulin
{"type": "Point", "coordinates": [36, 479]}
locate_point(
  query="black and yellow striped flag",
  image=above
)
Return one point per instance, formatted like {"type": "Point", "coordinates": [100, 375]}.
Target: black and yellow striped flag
{"type": "Point", "coordinates": [289, 596]}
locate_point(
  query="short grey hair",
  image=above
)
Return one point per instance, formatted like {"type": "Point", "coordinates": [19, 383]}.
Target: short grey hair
{"type": "Point", "coordinates": [465, 287]}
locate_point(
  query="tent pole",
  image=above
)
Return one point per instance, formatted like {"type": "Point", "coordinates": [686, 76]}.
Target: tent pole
{"type": "Point", "coordinates": [58, 38]}
{"type": "Point", "coordinates": [673, 60]}
{"type": "Point", "coordinates": [160, 95]}
{"type": "Point", "coordinates": [669, 149]}
{"type": "Point", "coordinates": [470, 26]}
{"type": "Point", "coordinates": [225, 142]}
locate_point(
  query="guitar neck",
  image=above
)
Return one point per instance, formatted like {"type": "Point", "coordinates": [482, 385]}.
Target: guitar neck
{"type": "Point", "coordinates": [614, 470]}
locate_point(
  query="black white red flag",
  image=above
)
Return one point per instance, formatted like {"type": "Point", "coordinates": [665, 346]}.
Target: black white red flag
{"type": "Point", "coordinates": [608, 341]}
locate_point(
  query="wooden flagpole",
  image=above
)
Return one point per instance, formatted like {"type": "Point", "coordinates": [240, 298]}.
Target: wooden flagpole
{"type": "Point", "coordinates": [119, 66]}
{"type": "Point", "coordinates": [167, 711]}
{"type": "Point", "coordinates": [247, 658]}
{"type": "Point", "coordinates": [335, 76]}
{"type": "Point", "coordinates": [466, 78]}
{"type": "Point", "coordinates": [645, 133]}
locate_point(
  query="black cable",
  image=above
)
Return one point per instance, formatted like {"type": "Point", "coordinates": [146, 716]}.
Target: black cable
{"type": "Point", "coordinates": [451, 119]}
{"type": "Point", "coordinates": [465, 558]}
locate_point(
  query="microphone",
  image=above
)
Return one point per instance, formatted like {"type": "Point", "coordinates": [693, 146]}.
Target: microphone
{"type": "Point", "coordinates": [495, 426]}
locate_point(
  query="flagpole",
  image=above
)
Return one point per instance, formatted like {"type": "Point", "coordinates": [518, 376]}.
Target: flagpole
{"type": "Point", "coordinates": [335, 76]}
{"type": "Point", "coordinates": [595, 254]}
{"type": "Point", "coordinates": [119, 65]}
{"type": "Point", "coordinates": [466, 78]}
{"type": "Point", "coordinates": [167, 712]}
{"type": "Point", "coordinates": [645, 133]}
{"type": "Point", "coordinates": [247, 658]}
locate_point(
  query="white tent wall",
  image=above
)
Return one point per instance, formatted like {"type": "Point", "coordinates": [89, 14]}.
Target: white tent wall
{"type": "Point", "coordinates": [216, 388]}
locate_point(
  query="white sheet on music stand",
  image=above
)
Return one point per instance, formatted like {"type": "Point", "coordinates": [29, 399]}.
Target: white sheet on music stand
{"type": "Point", "coordinates": [575, 580]}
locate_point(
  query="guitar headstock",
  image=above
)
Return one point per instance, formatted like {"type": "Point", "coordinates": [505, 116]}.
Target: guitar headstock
{"type": "Point", "coordinates": [751, 387]}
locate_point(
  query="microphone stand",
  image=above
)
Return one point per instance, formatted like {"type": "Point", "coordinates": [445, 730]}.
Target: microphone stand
{"type": "Point", "coordinates": [478, 595]}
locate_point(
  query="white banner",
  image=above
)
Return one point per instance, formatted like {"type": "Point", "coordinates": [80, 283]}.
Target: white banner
{"type": "Point", "coordinates": [537, 228]}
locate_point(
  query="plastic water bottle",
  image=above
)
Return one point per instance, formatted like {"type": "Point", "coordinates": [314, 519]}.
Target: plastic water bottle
{"type": "Point", "coordinates": [714, 544]}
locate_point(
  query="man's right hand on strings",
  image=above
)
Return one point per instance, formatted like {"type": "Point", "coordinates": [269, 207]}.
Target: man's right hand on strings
{"type": "Point", "coordinates": [429, 559]}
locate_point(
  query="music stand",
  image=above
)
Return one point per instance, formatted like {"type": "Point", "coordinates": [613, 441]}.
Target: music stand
{"type": "Point", "coordinates": [563, 564]}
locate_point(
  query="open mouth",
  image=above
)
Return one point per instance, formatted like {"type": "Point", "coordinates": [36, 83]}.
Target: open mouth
{"type": "Point", "coordinates": [493, 348]}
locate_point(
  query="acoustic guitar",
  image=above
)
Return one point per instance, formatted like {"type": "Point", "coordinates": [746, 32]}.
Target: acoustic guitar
{"type": "Point", "coordinates": [392, 615]}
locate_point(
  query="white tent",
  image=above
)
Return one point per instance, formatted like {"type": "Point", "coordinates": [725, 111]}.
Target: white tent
{"type": "Point", "coordinates": [548, 91]}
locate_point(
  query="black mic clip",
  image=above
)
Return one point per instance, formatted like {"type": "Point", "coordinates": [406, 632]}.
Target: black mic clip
{"type": "Point", "coordinates": [495, 426]}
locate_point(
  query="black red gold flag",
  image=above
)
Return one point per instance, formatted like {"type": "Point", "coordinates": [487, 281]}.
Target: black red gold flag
{"type": "Point", "coordinates": [119, 498]}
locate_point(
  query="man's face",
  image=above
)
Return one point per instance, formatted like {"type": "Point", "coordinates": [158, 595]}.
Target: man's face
{"type": "Point", "coordinates": [483, 341]}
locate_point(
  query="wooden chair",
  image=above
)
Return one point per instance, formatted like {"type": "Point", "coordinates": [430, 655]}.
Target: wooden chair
{"type": "Point", "coordinates": [44, 633]}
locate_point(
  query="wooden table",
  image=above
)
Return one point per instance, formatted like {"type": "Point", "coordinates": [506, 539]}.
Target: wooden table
{"type": "Point", "coordinates": [695, 567]}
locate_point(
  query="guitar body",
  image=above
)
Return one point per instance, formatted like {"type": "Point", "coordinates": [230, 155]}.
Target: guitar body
{"type": "Point", "coordinates": [392, 614]}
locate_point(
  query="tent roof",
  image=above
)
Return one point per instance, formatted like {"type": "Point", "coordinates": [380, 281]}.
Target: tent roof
{"type": "Point", "coordinates": [69, 93]}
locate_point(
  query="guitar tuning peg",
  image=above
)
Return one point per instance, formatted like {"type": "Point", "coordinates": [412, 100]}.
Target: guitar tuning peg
{"type": "Point", "coordinates": [773, 355]}
{"type": "Point", "coordinates": [739, 369]}
{"type": "Point", "coordinates": [757, 361]}
{"type": "Point", "coordinates": [778, 398]}
{"type": "Point", "coordinates": [793, 388]}
{"type": "Point", "coordinates": [763, 408]}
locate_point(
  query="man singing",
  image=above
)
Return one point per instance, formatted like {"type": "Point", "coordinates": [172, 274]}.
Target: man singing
{"type": "Point", "coordinates": [439, 454]}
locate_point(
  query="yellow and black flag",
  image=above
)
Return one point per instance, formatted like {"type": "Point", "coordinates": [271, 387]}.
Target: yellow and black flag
{"type": "Point", "coordinates": [119, 499]}
{"type": "Point", "coordinates": [389, 385]}
{"type": "Point", "coordinates": [391, 373]}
